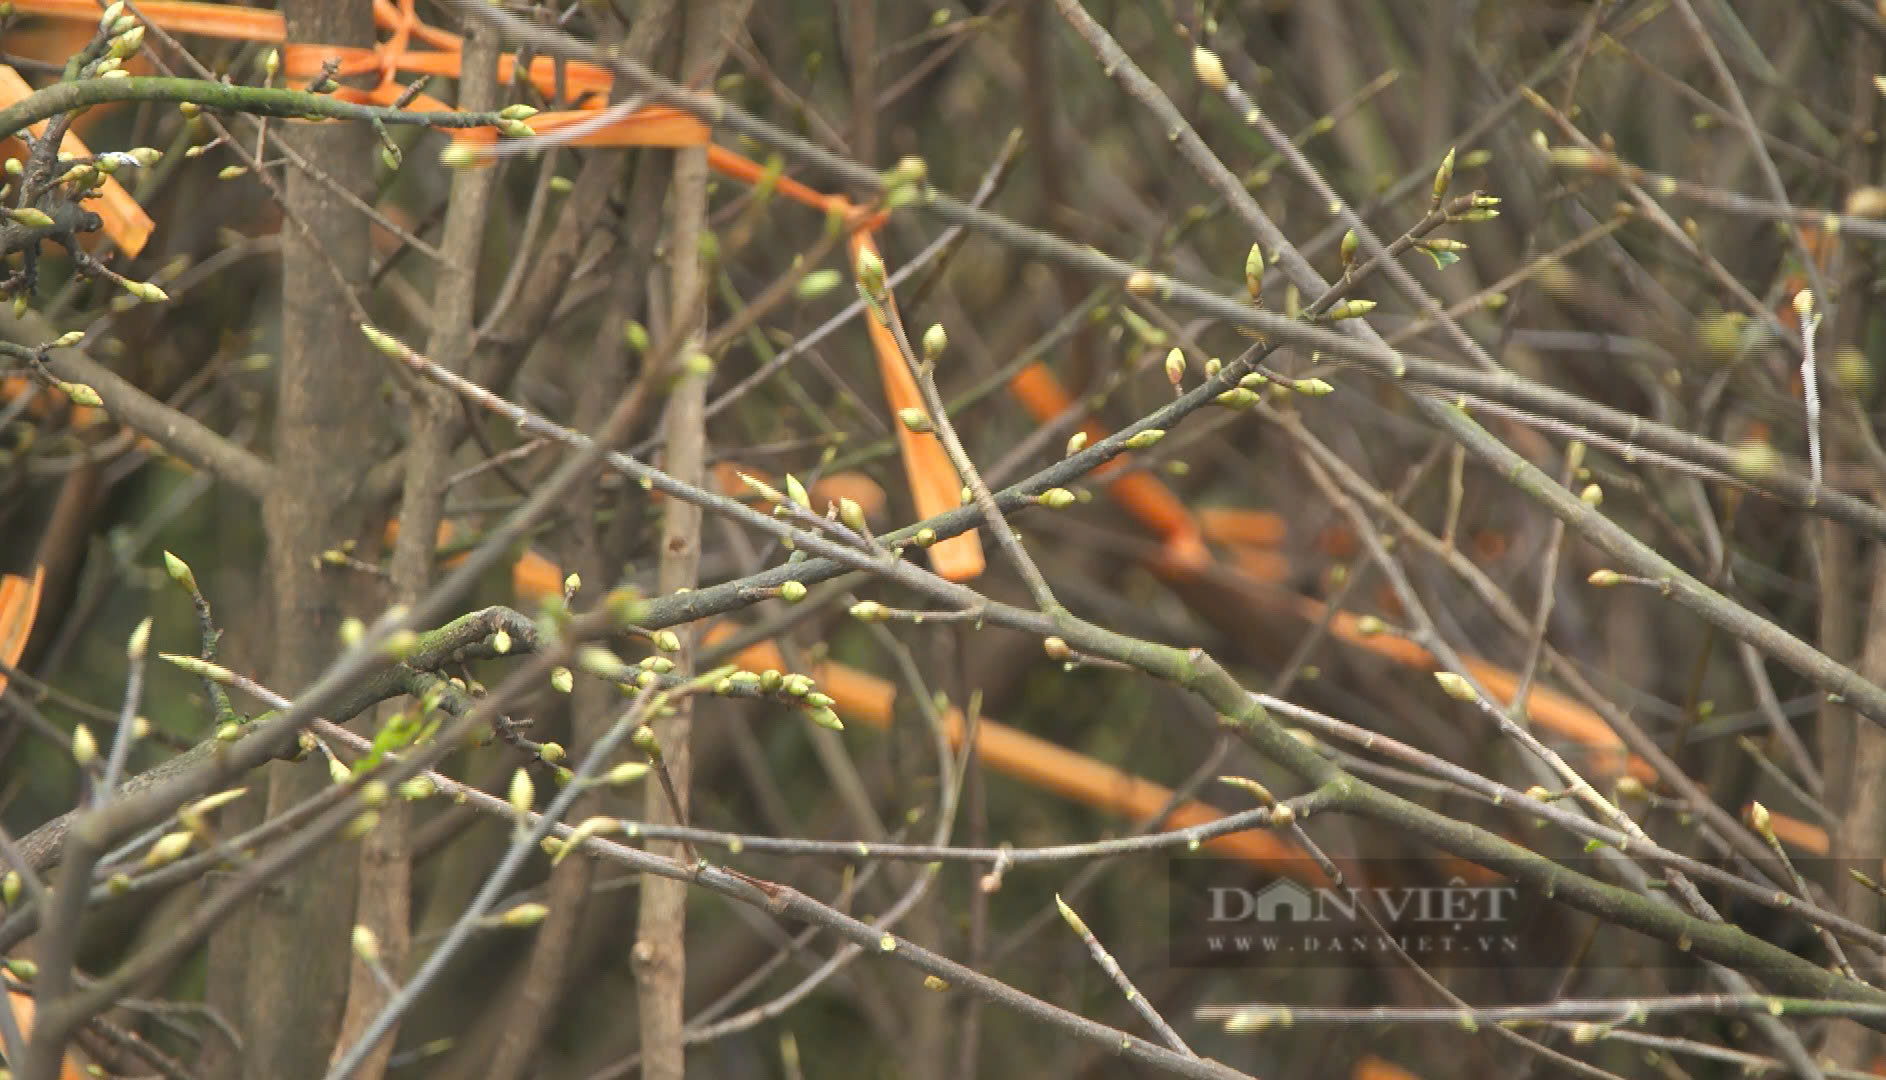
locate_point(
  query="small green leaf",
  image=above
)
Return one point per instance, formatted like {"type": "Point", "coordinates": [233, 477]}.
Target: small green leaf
{"type": "Point", "coordinates": [1442, 259]}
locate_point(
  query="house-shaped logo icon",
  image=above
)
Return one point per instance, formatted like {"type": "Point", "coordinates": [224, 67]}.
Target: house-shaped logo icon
{"type": "Point", "coordinates": [1285, 901]}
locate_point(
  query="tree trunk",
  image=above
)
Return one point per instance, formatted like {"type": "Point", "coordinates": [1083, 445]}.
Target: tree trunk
{"type": "Point", "coordinates": [298, 949]}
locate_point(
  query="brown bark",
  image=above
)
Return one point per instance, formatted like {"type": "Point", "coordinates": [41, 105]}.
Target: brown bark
{"type": "Point", "coordinates": [325, 438]}
{"type": "Point", "coordinates": [386, 872]}
{"type": "Point", "coordinates": [1854, 751]}
{"type": "Point", "coordinates": [1860, 800]}
{"type": "Point", "coordinates": [660, 951]}
{"type": "Point", "coordinates": [660, 956]}
{"type": "Point", "coordinates": [557, 954]}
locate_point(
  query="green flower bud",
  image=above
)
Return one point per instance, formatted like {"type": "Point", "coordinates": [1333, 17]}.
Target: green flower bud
{"type": "Point", "coordinates": [84, 746]}
{"type": "Point", "coordinates": [870, 271]}
{"type": "Point", "coordinates": [81, 394]}
{"type": "Point", "coordinates": [1444, 176]}
{"type": "Point", "coordinates": [384, 342]}
{"type": "Point", "coordinates": [1456, 686]}
{"type": "Point", "coordinates": [168, 849]}
{"type": "Point", "coordinates": [627, 772]}
{"type": "Point", "coordinates": [1254, 272]}
{"type": "Point", "coordinates": [1209, 68]}
{"type": "Point", "coordinates": [1056, 498]}
{"type": "Point", "coordinates": [523, 916]}
{"type": "Point", "coordinates": [139, 641]}
{"type": "Point", "coordinates": [1238, 398]}
{"type": "Point", "coordinates": [523, 793]}
{"type": "Point", "coordinates": [459, 155]}
{"type": "Point", "coordinates": [1350, 309]}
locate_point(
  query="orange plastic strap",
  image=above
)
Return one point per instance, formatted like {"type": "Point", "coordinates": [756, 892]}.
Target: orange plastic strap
{"type": "Point", "coordinates": [231, 23]}
{"type": "Point", "coordinates": [304, 62]}
{"type": "Point", "coordinates": [384, 14]}
{"type": "Point", "coordinates": [654, 125]}
{"type": "Point", "coordinates": [390, 53]}
{"type": "Point", "coordinates": [72, 1065]}
{"type": "Point", "coordinates": [19, 607]}
{"type": "Point", "coordinates": [301, 63]}
{"type": "Point", "coordinates": [1143, 496]}
{"type": "Point", "coordinates": [225, 21]}
{"type": "Point", "coordinates": [1237, 525]}
{"type": "Point", "coordinates": [934, 485]}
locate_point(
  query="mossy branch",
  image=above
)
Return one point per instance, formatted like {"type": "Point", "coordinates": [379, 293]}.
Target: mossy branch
{"type": "Point", "coordinates": [467, 637]}
{"type": "Point", "coordinates": [66, 97]}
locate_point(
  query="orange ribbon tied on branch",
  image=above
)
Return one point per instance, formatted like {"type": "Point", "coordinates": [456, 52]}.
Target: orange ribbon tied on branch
{"type": "Point", "coordinates": [19, 606]}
